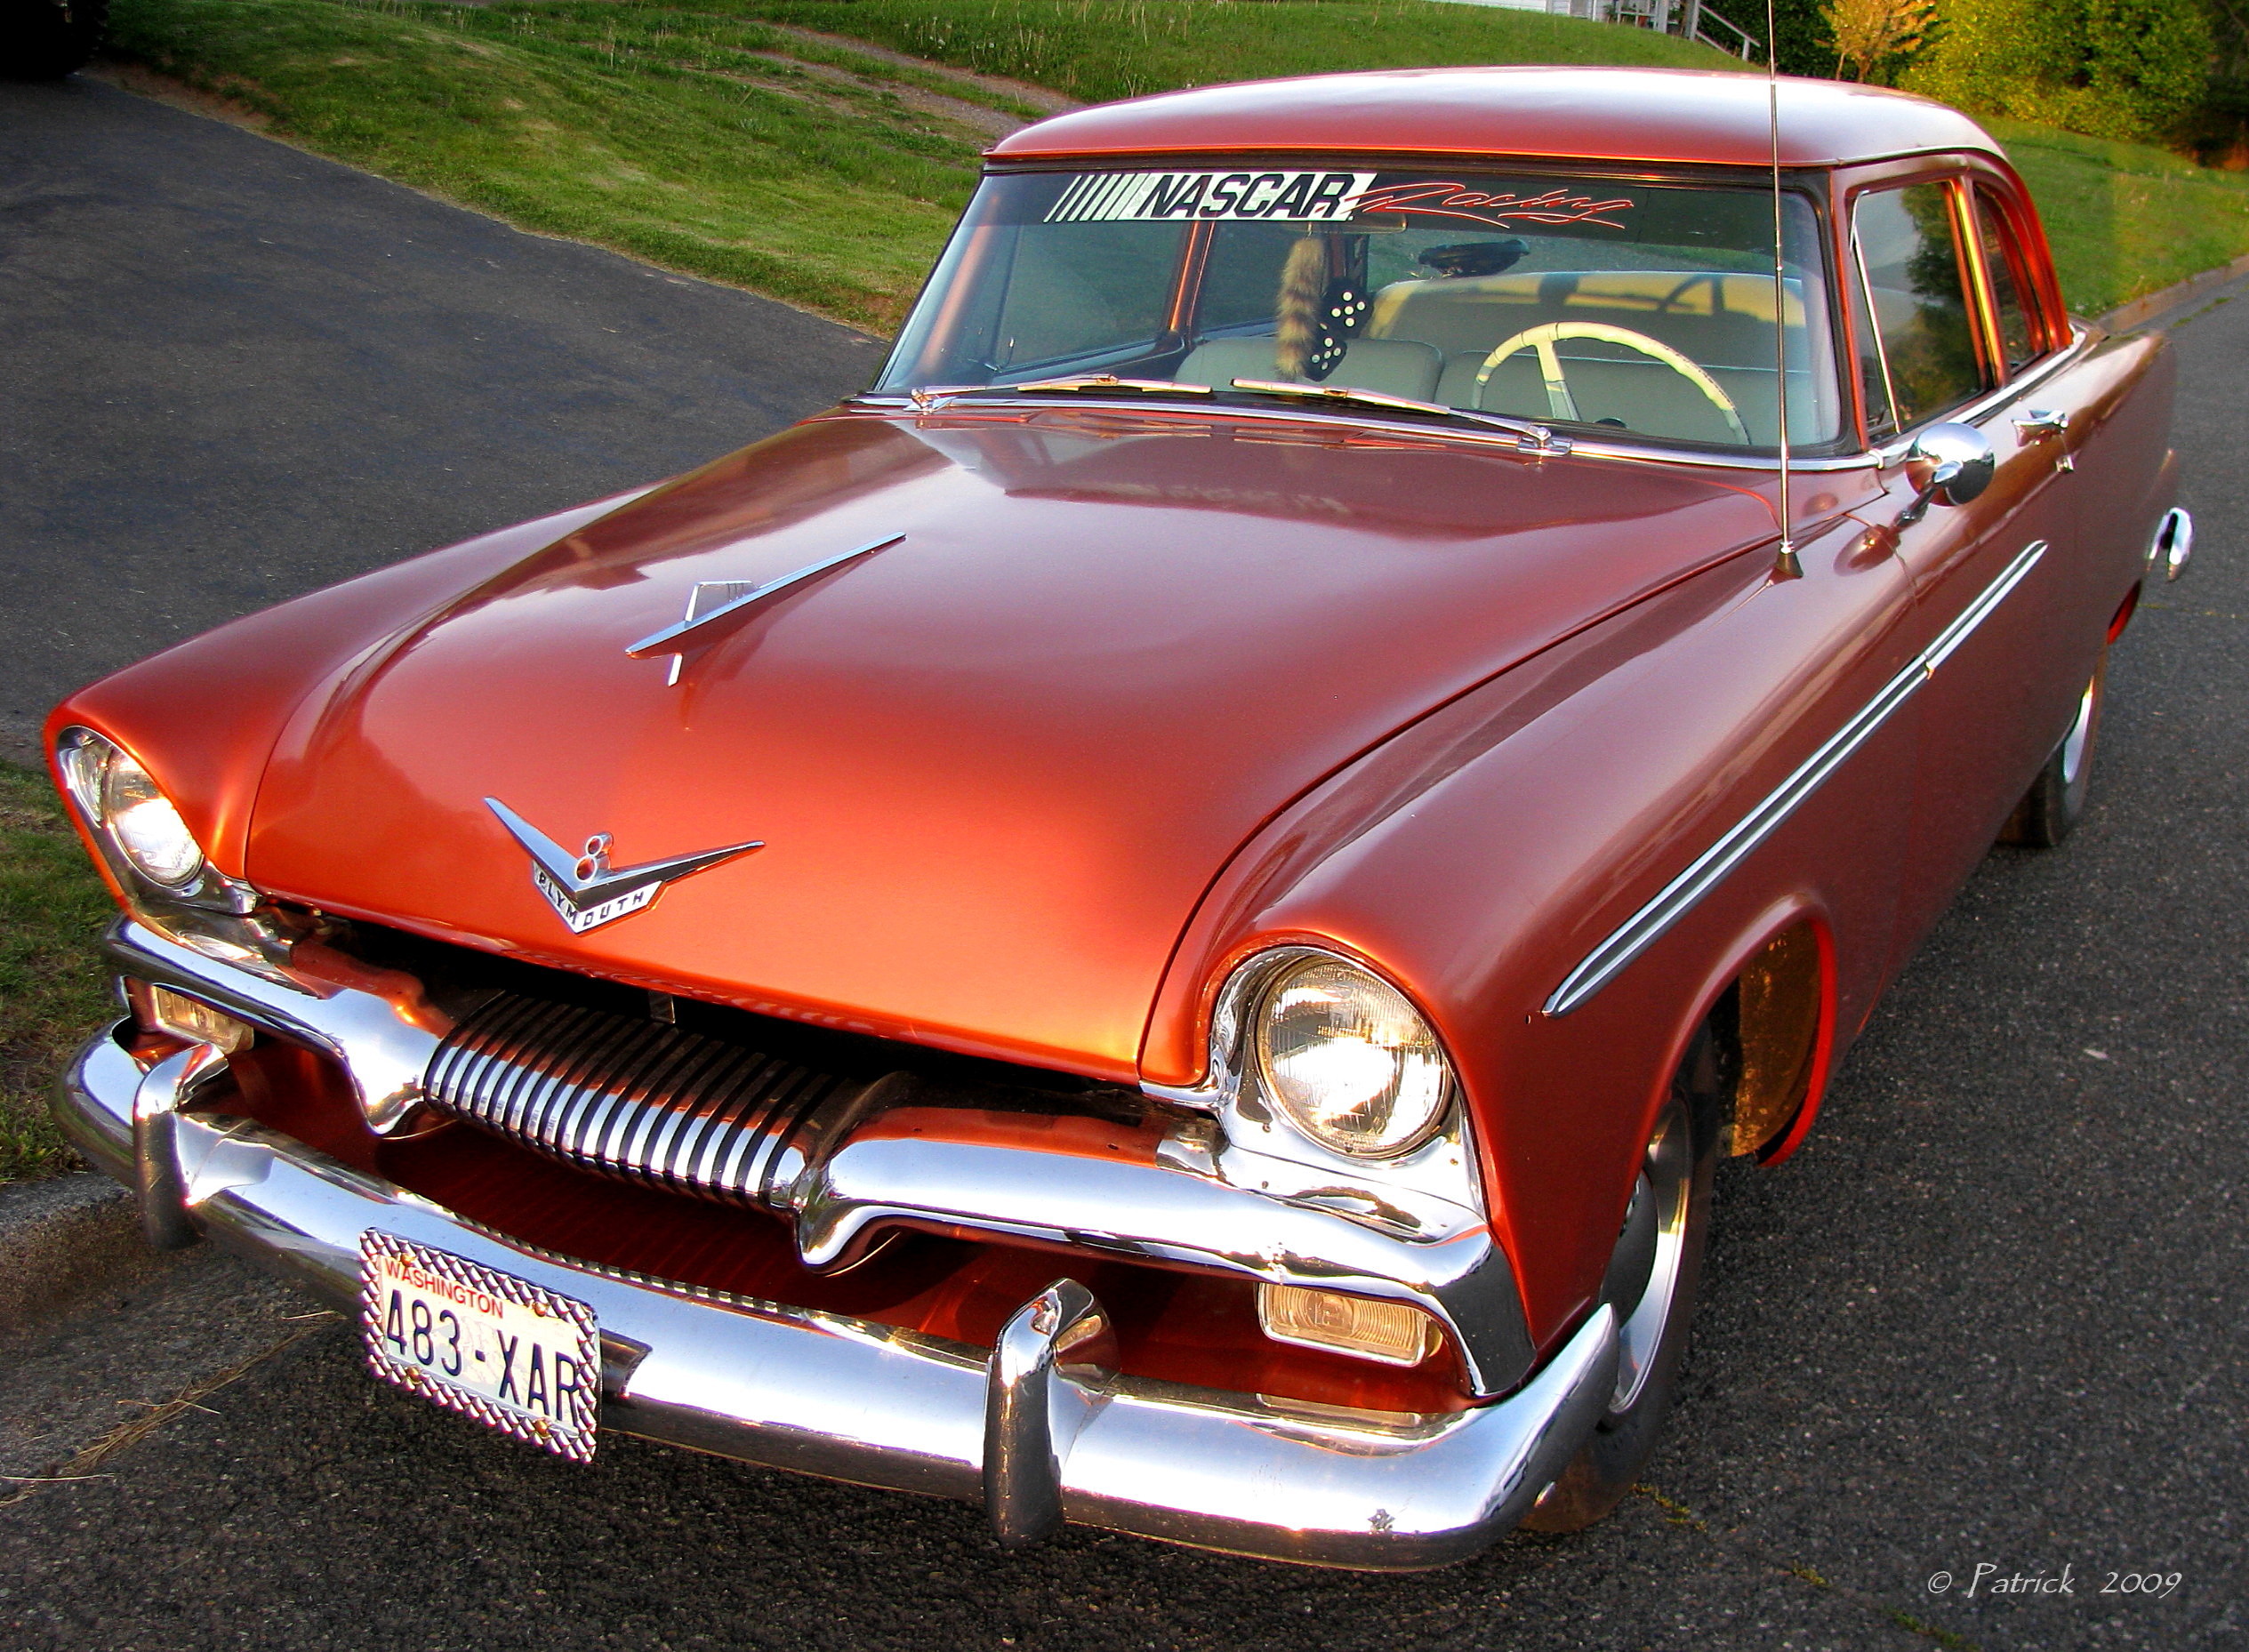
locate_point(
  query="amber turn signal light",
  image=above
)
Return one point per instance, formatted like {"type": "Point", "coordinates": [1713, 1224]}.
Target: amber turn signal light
{"type": "Point", "coordinates": [160, 1009]}
{"type": "Point", "coordinates": [1388, 1331]}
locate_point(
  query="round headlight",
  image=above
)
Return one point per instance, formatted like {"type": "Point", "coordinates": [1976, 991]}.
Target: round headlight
{"type": "Point", "coordinates": [141, 822]}
{"type": "Point", "coordinates": [1350, 1062]}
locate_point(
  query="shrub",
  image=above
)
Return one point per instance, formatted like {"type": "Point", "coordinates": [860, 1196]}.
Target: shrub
{"type": "Point", "coordinates": [2112, 68]}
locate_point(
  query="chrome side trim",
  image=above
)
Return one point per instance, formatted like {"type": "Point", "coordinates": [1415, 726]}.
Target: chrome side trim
{"type": "Point", "coordinates": [869, 1404]}
{"type": "Point", "coordinates": [1678, 897]}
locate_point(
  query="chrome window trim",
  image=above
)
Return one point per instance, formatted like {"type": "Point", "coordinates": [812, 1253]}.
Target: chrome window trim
{"type": "Point", "coordinates": [1991, 402]}
{"type": "Point", "coordinates": [1680, 896]}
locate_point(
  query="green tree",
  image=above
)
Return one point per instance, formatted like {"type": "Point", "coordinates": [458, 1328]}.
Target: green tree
{"type": "Point", "coordinates": [2113, 68]}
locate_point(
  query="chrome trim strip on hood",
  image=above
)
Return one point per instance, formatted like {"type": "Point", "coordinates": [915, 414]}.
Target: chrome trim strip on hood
{"type": "Point", "coordinates": [663, 641]}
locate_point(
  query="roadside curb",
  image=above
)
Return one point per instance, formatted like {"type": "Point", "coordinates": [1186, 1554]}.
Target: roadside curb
{"type": "Point", "coordinates": [2147, 307]}
{"type": "Point", "coordinates": [62, 1238]}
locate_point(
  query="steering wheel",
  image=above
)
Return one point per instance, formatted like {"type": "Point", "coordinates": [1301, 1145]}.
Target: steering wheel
{"type": "Point", "coordinates": [1561, 405]}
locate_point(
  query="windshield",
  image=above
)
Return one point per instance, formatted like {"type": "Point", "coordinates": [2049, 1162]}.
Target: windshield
{"type": "Point", "coordinates": [1644, 308]}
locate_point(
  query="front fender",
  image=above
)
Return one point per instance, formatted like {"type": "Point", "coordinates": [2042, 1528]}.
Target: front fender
{"type": "Point", "coordinates": [1480, 855]}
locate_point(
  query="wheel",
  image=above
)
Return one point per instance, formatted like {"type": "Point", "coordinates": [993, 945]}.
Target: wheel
{"type": "Point", "coordinates": [47, 39]}
{"type": "Point", "coordinates": [2051, 809]}
{"type": "Point", "coordinates": [1651, 1283]}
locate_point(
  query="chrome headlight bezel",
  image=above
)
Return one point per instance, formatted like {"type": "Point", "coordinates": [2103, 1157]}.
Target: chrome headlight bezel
{"type": "Point", "coordinates": [97, 774]}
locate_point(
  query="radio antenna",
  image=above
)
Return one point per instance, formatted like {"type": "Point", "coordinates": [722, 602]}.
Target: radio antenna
{"type": "Point", "coordinates": [1785, 564]}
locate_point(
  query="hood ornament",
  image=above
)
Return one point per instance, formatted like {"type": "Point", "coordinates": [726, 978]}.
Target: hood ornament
{"type": "Point", "coordinates": [713, 600]}
{"type": "Point", "coordinates": [585, 891]}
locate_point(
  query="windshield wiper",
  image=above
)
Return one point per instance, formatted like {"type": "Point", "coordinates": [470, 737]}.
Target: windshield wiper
{"type": "Point", "coordinates": [1533, 439]}
{"type": "Point", "coordinates": [936, 395]}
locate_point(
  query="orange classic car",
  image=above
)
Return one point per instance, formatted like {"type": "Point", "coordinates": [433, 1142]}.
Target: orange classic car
{"type": "Point", "coordinates": [1161, 920]}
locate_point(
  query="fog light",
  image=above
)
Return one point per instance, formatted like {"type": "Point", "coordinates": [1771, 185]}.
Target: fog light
{"type": "Point", "coordinates": [160, 1009]}
{"type": "Point", "coordinates": [1388, 1331]}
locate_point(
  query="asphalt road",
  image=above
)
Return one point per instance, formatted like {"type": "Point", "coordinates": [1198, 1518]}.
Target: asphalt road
{"type": "Point", "coordinates": [234, 372]}
{"type": "Point", "coordinates": [1992, 1316]}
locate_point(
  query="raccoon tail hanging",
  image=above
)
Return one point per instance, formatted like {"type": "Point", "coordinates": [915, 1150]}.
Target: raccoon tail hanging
{"type": "Point", "coordinates": [1304, 288]}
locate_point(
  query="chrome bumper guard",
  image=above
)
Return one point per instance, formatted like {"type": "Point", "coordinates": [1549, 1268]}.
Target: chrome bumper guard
{"type": "Point", "coordinates": [1043, 1429]}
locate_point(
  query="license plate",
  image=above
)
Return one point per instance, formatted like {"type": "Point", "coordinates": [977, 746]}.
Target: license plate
{"type": "Point", "coordinates": [511, 1354]}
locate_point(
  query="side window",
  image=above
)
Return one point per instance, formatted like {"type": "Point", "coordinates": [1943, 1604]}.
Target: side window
{"type": "Point", "coordinates": [1906, 244]}
{"type": "Point", "coordinates": [2002, 266]}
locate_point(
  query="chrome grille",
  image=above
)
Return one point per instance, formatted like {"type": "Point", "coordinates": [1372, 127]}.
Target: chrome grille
{"type": "Point", "coordinates": [638, 1099]}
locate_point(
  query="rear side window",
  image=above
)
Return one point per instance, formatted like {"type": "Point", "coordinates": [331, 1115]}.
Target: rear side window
{"type": "Point", "coordinates": [2002, 266]}
{"type": "Point", "coordinates": [1906, 244]}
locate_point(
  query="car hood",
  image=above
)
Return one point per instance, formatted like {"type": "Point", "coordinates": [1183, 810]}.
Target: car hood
{"type": "Point", "coordinates": [992, 766]}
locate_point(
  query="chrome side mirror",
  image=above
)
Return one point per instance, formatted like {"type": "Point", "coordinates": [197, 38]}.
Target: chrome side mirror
{"type": "Point", "coordinates": [1957, 462]}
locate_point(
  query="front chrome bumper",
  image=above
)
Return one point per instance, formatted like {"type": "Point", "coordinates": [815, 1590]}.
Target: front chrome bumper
{"type": "Point", "coordinates": [1041, 1430]}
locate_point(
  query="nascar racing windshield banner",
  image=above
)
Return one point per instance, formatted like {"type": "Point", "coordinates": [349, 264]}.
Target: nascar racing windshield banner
{"type": "Point", "coordinates": [1320, 197]}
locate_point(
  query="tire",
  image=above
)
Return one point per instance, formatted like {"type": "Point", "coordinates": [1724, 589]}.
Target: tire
{"type": "Point", "coordinates": [1653, 1278]}
{"type": "Point", "coordinates": [47, 39]}
{"type": "Point", "coordinates": [2055, 803]}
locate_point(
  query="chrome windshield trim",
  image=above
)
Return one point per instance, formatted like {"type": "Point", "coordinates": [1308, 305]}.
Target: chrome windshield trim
{"type": "Point", "coordinates": [1678, 897]}
{"type": "Point", "coordinates": [1366, 416]}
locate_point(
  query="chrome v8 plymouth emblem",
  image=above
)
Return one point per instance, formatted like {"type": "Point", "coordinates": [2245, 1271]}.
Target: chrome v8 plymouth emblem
{"type": "Point", "coordinates": [585, 891]}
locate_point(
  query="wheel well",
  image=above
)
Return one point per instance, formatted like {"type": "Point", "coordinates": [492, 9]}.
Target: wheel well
{"type": "Point", "coordinates": [1771, 1028]}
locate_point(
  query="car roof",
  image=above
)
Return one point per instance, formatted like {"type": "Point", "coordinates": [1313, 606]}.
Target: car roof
{"type": "Point", "coordinates": [1628, 115]}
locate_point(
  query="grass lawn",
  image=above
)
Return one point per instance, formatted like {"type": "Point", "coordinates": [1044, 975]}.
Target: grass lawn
{"type": "Point", "coordinates": [718, 137]}
{"type": "Point", "coordinates": [53, 987]}
{"type": "Point", "coordinates": [702, 138]}
{"type": "Point", "coordinates": [1097, 51]}
{"type": "Point", "coordinates": [2125, 219]}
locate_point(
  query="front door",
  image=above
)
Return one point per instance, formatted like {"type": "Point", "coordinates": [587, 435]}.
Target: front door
{"type": "Point", "coordinates": [1998, 581]}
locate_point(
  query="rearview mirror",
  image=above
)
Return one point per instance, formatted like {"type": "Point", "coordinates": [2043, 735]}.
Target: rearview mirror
{"type": "Point", "coordinates": [1955, 463]}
